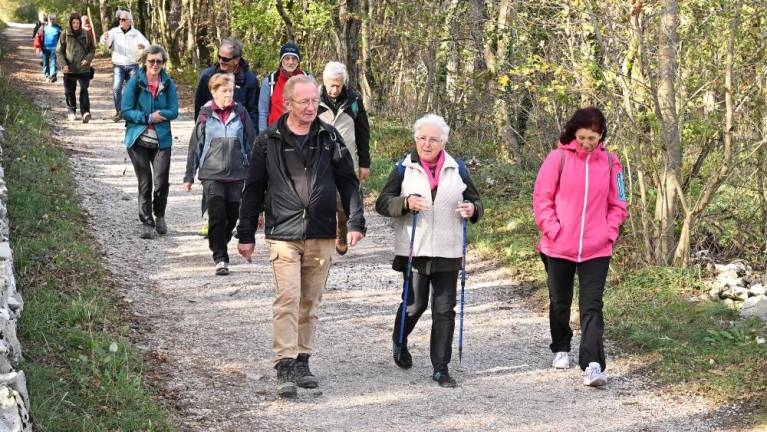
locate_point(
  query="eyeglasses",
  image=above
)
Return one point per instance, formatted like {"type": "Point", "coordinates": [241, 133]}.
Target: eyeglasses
{"type": "Point", "coordinates": [432, 141]}
{"type": "Point", "coordinates": [306, 102]}
{"type": "Point", "coordinates": [123, 19]}
{"type": "Point", "coordinates": [155, 61]}
{"type": "Point", "coordinates": [226, 59]}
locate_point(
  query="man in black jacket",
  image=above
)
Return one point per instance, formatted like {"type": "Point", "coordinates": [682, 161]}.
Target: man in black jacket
{"type": "Point", "coordinates": [246, 84]}
{"type": "Point", "coordinates": [303, 161]}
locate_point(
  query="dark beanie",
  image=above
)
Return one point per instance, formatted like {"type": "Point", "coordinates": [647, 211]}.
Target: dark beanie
{"type": "Point", "coordinates": [290, 49]}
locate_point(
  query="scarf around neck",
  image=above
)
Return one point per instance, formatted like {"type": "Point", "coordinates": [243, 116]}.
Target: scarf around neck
{"type": "Point", "coordinates": [434, 166]}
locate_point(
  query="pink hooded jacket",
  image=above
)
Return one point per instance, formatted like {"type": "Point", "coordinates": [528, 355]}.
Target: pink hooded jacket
{"type": "Point", "coordinates": [580, 209]}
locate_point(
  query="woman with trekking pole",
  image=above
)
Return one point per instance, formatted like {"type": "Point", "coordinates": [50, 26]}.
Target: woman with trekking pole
{"type": "Point", "coordinates": [149, 103]}
{"type": "Point", "coordinates": [431, 195]}
{"type": "Point", "coordinates": [579, 203]}
{"type": "Point", "coordinates": [219, 151]}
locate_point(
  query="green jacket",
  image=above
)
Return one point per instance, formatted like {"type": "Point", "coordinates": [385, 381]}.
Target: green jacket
{"type": "Point", "coordinates": [74, 48]}
{"type": "Point", "coordinates": [138, 104]}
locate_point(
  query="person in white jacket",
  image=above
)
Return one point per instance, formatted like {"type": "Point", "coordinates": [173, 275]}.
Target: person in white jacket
{"type": "Point", "coordinates": [125, 43]}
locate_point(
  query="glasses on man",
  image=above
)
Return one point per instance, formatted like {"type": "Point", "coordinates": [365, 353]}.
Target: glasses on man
{"type": "Point", "coordinates": [432, 141]}
{"type": "Point", "coordinates": [155, 61]}
{"type": "Point", "coordinates": [225, 59]}
{"type": "Point", "coordinates": [306, 102]}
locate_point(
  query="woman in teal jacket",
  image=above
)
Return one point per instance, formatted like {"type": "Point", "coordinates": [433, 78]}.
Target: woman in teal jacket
{"type": "Point", "coordinates": [149, 103]}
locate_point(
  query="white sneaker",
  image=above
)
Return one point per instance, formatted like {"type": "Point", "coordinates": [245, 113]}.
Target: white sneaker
{"type": "Point", "coordinates": [593, 375]}
{"type": "Point", "coordinates": [222, 268]}
{"type": "Point", "coordinates": [561, 360]}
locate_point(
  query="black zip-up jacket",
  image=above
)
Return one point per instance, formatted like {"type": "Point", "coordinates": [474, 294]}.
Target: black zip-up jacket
{"type": "Point", "coordinates": [306, 211]}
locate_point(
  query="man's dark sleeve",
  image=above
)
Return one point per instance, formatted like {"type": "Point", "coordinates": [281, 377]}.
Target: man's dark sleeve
{"type": "Point", "coordinates": [348, 187]}
{"type": "Point", "coordinates": [202, 94]}
{"type": "Point", "coordinates": [251, 100]}
{"type": "Point", "coordinates": [253, 193]}
{"type": "Point", "coordinates": [389, 202]}
{"type": "Point", "coordinates": [362, 136]}
{"type": "Point", "coordinates": [472, 194]}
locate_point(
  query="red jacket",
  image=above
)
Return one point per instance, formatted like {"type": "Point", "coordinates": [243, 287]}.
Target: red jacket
{"type": "Point", "coordinates": [578, 205]}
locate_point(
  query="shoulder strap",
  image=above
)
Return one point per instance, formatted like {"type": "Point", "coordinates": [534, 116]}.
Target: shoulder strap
{"type": "Point", "coordinates": [462, 171]}
{"type": "Point", "coordinates": [400, 169]}
{"type": "Point", "coordinates": [272, 82]}
{"type": "Point", "coordinates": [562, 158]}
{"type": "Point", "coordinates": [610, 162]}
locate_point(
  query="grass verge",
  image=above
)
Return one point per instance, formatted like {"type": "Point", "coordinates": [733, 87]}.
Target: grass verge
{"type": "Point", "coordinates": [83, 373]}
{"type": "Point", "coordinates": [702, 345]}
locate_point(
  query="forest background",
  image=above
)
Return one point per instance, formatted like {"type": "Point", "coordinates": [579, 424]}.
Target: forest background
{"type": "Point", "coordinates": [684, 87]}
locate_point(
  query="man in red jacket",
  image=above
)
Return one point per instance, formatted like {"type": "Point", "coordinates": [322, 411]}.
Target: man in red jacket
{"type": "Point", "coordinates": [271, 105]}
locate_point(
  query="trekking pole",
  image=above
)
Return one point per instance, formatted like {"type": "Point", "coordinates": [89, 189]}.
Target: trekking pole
{"type": "Point", "coordinates": [463, 286]}
{"type": "Point", "coordinates": [407, 287]}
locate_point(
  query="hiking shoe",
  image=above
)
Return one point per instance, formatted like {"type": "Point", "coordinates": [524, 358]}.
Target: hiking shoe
{"type": "Point", "coordinates": [86, 117]}
{"type": "Point", "coordinates": [117, 117]}
{"type": "Point", "coordinates": [593, 375]}
{"type": "Point", "coordinates": [341, 246]}
{"type": "Point", "coordinates": [286, 378]}
{"type": "Point", "coordinates": [160, 225]}
{"type": "Point", "coordinates": [203, 231]}
{"type": "Point", "coordinates": [71, 116]}
{"type": "Point", "coordinates": [442, 377]}
{"type": "Point", "coordinates": [53, 79]}
{"type": "Point", "coordinates": [147, 232]}
{"type": "Point", "coordinates": [222, 268]}
{"type": "Point", "coordinates": [561, 360]}
{"type": "Point", "coordinates": [402, 359]}
{"type": "Point", "coordinates": [304, 377]}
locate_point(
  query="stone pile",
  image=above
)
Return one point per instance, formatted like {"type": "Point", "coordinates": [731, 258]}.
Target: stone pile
{"type": "Point", "coordinates": [14, 399]}
{"type": "Point", "coordinates": [736, 285]}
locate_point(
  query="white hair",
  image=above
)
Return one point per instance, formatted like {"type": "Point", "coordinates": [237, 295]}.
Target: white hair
{"type": "Point", "coordinates": [335, 70]}
{"type": "Point", "coordinates": [434, 120]}
{"type": "Point", "coordinates": [123, 13]}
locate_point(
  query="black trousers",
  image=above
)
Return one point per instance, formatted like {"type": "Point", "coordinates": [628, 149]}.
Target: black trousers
{"type": "Point", "coordinates": [592, 275]}
{"type": "Point", "coordinates": [70, 85]}
{"type": "Point", "coordinates": [152, 167]}
{"type": "Point", "coordinates": [222, 201]}
{"type": "Point", "coordinates": [443, 286]}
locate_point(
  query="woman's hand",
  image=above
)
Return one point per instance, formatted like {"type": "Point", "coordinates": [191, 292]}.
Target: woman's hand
{"type": "Point", "coordinates": [83, 62]}
{"type": "Point", "coordinates": [187, 187]}
{"type": "Point", "coordinates": [466, 209]}
{"type": "Point", "coordinates": [157, 117]}
{"type": "Point", "coordinates": [417, 203]}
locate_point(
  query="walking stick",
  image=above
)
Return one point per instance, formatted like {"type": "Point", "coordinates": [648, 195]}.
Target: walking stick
{"type": "Point", "coordinates": [463, 286]}
{"type": "Point", "coordinates": [407, 287]}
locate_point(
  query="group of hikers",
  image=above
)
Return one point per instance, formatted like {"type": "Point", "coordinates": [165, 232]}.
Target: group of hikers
{"type": "Point", "coordinates": [288, 156]}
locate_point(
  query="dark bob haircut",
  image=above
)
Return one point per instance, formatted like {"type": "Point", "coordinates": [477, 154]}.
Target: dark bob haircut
{"type": "Point", "coordinates": [585, 118]}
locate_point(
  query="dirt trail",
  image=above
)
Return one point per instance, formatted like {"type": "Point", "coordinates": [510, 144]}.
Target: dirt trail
{"type": "Point", "coordinates": [213, 334]}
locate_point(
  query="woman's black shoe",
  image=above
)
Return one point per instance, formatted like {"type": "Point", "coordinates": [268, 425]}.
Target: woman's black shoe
{"type": "Point", "coordinates": [402, 356]}
{"type": "Point", "coordinates": [444, 379]}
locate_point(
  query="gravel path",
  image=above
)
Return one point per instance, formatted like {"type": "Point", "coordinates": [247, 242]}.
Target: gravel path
{"type": "Point", "coordinates": [211, 336]}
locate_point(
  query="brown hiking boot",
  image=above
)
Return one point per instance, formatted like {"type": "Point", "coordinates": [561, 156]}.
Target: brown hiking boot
{"type": "Point", "coordinates": [304, 377]}
{"type": "Point", "coordinates": [286, 379]}
{"type": "Point", "coordinates": [341, 246]}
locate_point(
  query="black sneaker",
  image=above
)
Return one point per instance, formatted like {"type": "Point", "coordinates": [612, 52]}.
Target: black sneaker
{"type": "Point", "coordinates": [401, 355]}
{"type": "Point", "coordinates": [286, 379]}
{"type": "Point", "coordinates": [147, 232]}
{"type": "Point", "coordinates": [304, 377]}
{"type": "Point", "coordinates": [160, 225]}
{"type": "Point", "coordinates": [443, 378]}
{"type": "Point", "coordinates": [117, 117]}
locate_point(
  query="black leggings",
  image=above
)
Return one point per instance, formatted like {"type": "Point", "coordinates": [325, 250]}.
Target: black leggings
{"type": "Point", "coordinates": [442, 312]}
{"type": "Point", "coordinates": [592, 275]}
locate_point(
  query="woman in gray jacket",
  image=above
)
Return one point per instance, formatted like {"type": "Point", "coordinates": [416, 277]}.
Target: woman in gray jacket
{"type": "Point", "coordinates": [436, 186]}
{"type": "Point", "coordinates": [219, 150]}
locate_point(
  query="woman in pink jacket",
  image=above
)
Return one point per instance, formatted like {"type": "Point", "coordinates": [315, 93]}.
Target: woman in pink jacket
{"type": "Point", "coordinates": [579, 202]}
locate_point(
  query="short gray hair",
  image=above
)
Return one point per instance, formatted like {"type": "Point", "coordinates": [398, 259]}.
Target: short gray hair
{"type": "Point", "coordinates": [234, 44]}
{"type": "Point", "coordinates": [434, 120]}
{"type": "Point", "coordinates": [153, 49]}
{"type": "Point", "coordinates": [122, 13]}
{"type": "Point", "coordinates": [287, 92]}
{"type": "Point", "coordinates": [335, 70]}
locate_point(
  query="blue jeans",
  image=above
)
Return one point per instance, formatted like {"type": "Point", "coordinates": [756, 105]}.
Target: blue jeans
{"type": "Point", "coordinates": [121, 74]}
{"type": "Point", "coordinates": [49, 62]}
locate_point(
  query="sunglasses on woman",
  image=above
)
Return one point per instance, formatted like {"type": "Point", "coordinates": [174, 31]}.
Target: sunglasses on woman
{"type": "Point", "coordinates": [155, 61]}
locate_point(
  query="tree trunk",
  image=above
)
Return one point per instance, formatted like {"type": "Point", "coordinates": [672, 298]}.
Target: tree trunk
{"type": "Point", "coordinates": [352, 24]}
{"type": "Point", "coordinates": [367, 82]}
{"type": "Point", "coordinates": [289, 27]}
{"type": "Point", "coordinates": [105, 23]}
{"type": "Point", "coordinates": [667, 70]}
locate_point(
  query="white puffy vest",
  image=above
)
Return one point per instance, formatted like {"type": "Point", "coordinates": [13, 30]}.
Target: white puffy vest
{"type": "Point", "coordinates": [438, 232]}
